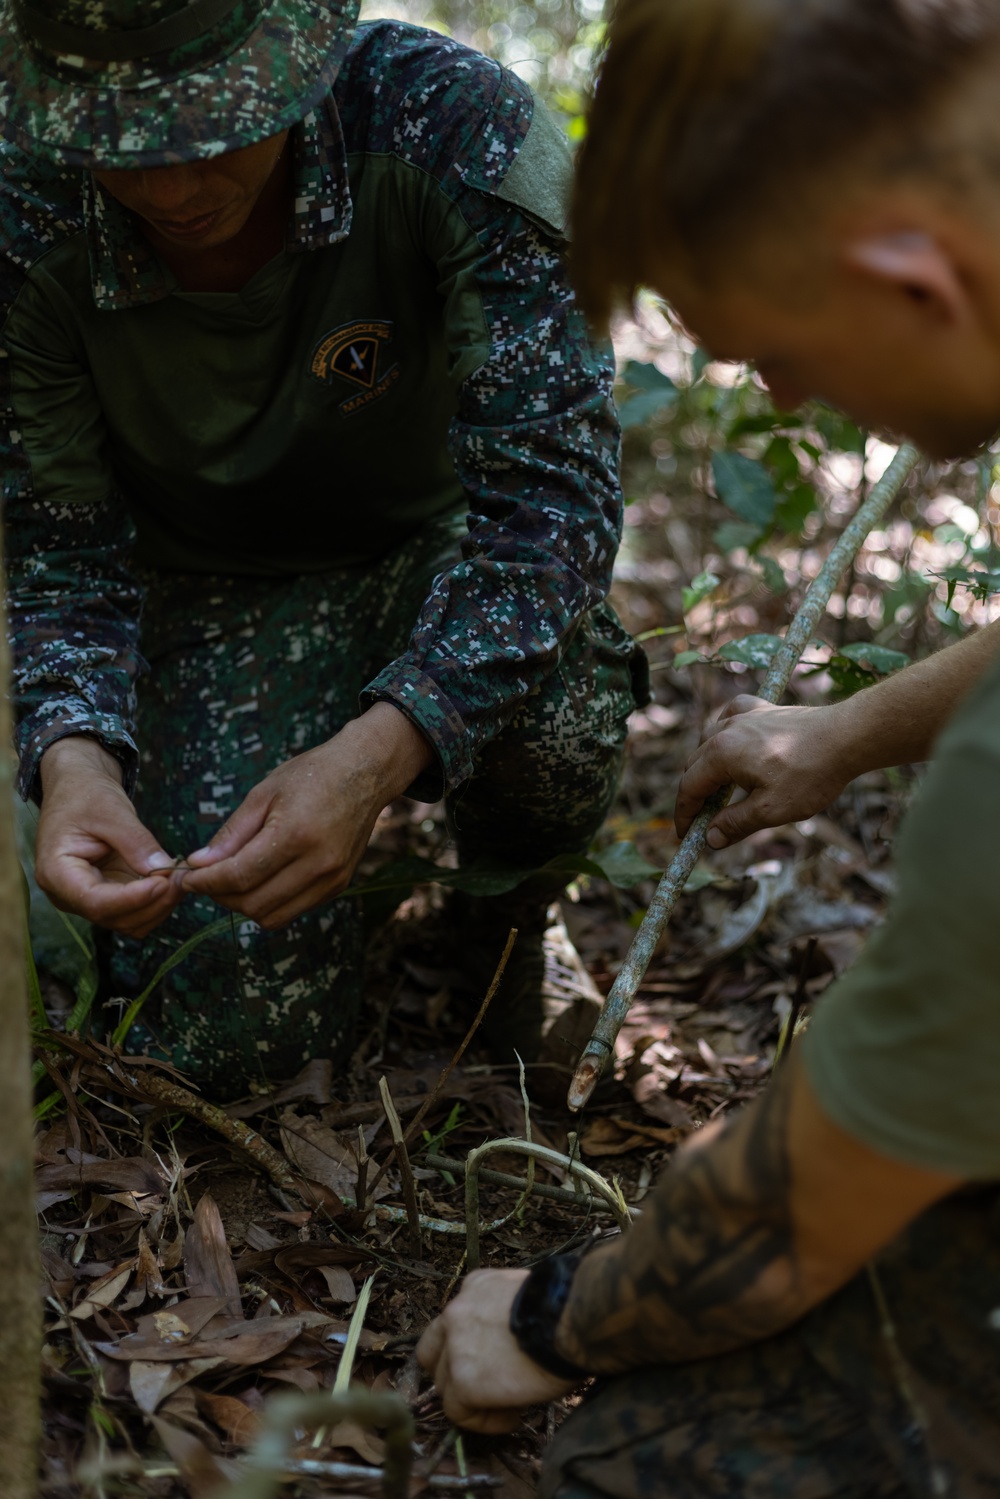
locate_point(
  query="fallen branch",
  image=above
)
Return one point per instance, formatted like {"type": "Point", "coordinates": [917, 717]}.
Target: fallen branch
{"type": "Point", "coordinates": [161, 1090]}
{"type": "Point", "coordinates": [145, 1083]}
{"type": "Point", "coordinates": [616, 1007]}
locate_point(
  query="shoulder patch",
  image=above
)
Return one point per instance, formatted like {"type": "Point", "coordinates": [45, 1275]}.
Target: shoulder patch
{"type": "Point", "coordinates": [539, 179]}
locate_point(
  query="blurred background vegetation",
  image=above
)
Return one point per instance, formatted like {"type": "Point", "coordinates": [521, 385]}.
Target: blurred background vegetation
{"type": "Point", "coordinates": [732, 505]}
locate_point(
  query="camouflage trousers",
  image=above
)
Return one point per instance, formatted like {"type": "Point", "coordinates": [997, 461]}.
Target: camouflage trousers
{"type": "Point", "coordinates": [890, 1389]}
{"type": "Point", "coordinates": [247, 672]}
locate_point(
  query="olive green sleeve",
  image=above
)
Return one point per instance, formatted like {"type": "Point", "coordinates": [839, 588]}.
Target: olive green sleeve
{"type": "Point", "coordinates": [904, 1051]}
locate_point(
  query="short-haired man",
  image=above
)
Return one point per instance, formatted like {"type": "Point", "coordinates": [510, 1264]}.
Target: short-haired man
{"type": "Point", "coordinates": [292, 363]}
{"type": "Point", "coordinates": [810, 1301]}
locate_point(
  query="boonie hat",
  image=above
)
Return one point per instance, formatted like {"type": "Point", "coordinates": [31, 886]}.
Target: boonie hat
{"type": "Point", "coordinates": [146, 83]}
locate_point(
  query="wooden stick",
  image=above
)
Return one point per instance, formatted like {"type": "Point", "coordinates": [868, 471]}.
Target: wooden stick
{"type": "Point", "coordinates": [616, 1007]}
{"type": "Point", "coordinates": [403, 1162]}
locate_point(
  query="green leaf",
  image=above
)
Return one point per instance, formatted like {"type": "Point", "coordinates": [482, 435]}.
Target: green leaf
{"type": "Point", "coordinates": [876, 658]}
{"type": "Point", "coordinates": [700, 877]}
{"type": "Point", "coordinates": [733, 534]}
{"type": "Point", "coordinates": [745, 486]}
{"type": "Point", "coordinates": [635, 411]}
{"type": "Point", "coordinates": [623, 865]}
{"type": "Point", "coordinates": [761, 421]}
{"type": "Point", "coordinates": [655, 392]}
{"type": "Point", "coordinates": [699, 588]}
{"type": "Point", "coordinates": [131, 1014]}
{"type": "Point", "coordinates": [980, 584]}
{"type": "Point", "coordinates": [699, 360]}
{"type": "Point", "coordinates": [687, 658]}
{"type": "Point", "coordinates": [795, 508]}
{"type": "Point", "coordinates": [838, 431]}
{"type": "Point", "coordinates": [646, 377]}
{"type": "Point", "coordinates": [480, 878]}
{"type": "Point", "coordinates": [752, 650]}
{"type": "Point", "coordinates": [773, 575]}
{"type": "Point", "coordinates": [779, 457]}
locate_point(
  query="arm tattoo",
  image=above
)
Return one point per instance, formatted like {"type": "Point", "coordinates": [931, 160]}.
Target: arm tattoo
{"type": "Point", "coordinates": [710, 1265]}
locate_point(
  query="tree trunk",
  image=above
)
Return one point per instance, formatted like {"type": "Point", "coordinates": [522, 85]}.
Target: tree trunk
{"type": "Point", "coordinates": [20, 1274]}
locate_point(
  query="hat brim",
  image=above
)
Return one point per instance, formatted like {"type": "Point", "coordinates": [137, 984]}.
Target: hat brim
{"type": "Point", "coordinates": [267, 84]}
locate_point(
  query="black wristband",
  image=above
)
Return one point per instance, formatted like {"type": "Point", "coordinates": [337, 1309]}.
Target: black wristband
{"type": "Point", "coordinates": [537, 1308]}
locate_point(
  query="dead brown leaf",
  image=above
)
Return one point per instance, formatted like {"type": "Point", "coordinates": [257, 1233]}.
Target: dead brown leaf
{"type": "Point", "coordinates": [240, 1424]}
{"type": "Point", "coordinates": [650, 1094]}
{"type": "Point", "coordinates": [153, 1383]}
{"type": "Point", "coordinates": [357, 1439]}
{"type": "Point", "coordinates": [129, 1174]}
{"type": "Point", "coordinates": [104, 1292]}
{"type": "Point", "coordinates": [208, 1264]}
{"type": "Point", "coordinates": [321, 1156]}
{"type": "Point", "coordinates": [203, 1471]}
{"type": "Point", "coordinates": [605, 1137]}
{"type": "Point", "coordinates": [339, 1285]}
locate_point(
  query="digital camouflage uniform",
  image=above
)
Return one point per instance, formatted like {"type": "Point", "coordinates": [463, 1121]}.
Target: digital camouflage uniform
{"type": "Point", "coordinates": [836, 1407]}
{"type": "Point", "coordinates": [385, 470]}
{"type": "Point", "coordinates": [902, 1053]}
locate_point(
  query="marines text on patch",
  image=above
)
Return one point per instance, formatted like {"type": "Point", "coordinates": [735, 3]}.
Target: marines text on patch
{"type": "Point", "coordinates": [351, 352]}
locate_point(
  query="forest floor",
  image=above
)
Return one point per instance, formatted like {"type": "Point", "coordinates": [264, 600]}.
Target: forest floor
{"type": "Point", "coordinates": [184, 1287]}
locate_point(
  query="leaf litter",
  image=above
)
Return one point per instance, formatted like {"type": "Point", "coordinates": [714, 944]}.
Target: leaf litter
{"type": "Point", "coordinates": [190, 1275]}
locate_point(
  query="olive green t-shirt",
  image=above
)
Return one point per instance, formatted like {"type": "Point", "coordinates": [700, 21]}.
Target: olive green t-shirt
{"type": "Point", "coordinates": [904, 1051]}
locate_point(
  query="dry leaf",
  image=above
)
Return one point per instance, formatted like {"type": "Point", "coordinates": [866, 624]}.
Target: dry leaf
{"type": "Point", "coordinates": [147, 1271]}
{"type": "Point", "coordinates": [312, 1085]}
{"type": "Point", "coordinates": [203, 1472]}
{"type": "Point", "coordinates": [208, 1265]}
{"type": "Point", "coordinates": [151, 1383]}
{"type": "Point", "coordinates": [357, 1439]}
{"type": "Point", "coordinates": [183, 1319]}
{"type": "Point", "coordinates": [319, 1154]}
{"type": "Point", "coordinates": [605, 1137]}
{"type": "Point", "coordinates": [237, 1342]}
{"type": "Point", "coordinates": [670, 1136]}
{"type": "Point", "coordinates": [240, 1424]}
{"type": "Point", "coordinates": [339, 1285]}
{"type": "Point", "coordinates": [653, 1099]}
{"type": "Point", "coordinates": [259, 1238]}
{"type": "Point", "coordinates": [311, 1256]}
{"type": "Point", "coordinates": [131, 1174]}
{"type": "Point", "coordinates": [105, 1292]}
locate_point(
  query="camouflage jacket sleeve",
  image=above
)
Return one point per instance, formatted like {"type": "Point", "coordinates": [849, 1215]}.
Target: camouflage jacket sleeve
{"type": "Point", "coordinates": [73, 605]}
{"type": "Point", "coordinates": [534, 441]}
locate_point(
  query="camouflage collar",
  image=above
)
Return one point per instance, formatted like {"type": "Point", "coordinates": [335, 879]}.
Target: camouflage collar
{"type": "Point", "coordinates": [125, 270]}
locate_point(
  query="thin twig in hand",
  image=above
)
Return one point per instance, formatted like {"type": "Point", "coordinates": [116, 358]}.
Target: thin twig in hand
{"type": "Point", "coordinates": [435, 1093]}
{"type": "Point", "coordinates": [403, 1162]}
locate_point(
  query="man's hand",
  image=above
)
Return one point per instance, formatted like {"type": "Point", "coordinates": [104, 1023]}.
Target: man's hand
{"type": "Point", "coordinates": [296, 839]}
{"type": "Point", "coordinates": [482, 1376]}
{"type": "Point", "coordinates": [793, 762]}
{"type": "Point", "coordinates": [92, 854]}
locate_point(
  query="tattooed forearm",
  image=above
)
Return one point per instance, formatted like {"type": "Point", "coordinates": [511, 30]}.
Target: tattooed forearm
{"type": "Point", "coordinates": [709, 1265]}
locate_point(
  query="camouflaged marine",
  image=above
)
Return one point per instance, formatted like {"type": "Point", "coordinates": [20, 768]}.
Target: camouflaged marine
{"type": "Point", "coordinates": [356, 449]}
